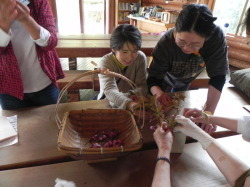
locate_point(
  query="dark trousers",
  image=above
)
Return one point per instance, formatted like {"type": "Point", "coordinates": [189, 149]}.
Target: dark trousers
{"type": "Point", "coordinates": [46, 96]}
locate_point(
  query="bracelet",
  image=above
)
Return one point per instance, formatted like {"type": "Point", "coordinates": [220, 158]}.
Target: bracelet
{"type": "Point", "coordinates": [206, 115]}
{"type": "Point", "coordinates": [163, 158]}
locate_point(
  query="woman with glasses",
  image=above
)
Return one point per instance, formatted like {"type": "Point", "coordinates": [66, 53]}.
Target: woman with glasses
{"type": "Point", "coordinates": [184, 52]}
{"type": "Point", "coordinates": [235, 171]}
{"type": "Point", "coordinates": [125, 59]}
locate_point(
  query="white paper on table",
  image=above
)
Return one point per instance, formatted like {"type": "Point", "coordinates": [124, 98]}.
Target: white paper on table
{"type": "Point", "coordinates": [13, 140]}
{"type": "Point", "coordinates": [64, 183]}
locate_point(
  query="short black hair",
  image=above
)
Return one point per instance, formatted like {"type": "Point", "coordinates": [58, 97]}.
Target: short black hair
{"type": "Point", "coordinates": [196, 18]}
{"type": "Point", "coordinates": [125, 33]}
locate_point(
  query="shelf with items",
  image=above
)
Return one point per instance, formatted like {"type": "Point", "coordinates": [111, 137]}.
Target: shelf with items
{"type": "Point", "coordinates": [154, 19]}
{"type": "Point", "coordinates": [150, 26]}
{"type": "Point", "coordinates": [123, 17]}
{"type": "Point", "coordinates": [123, 8]}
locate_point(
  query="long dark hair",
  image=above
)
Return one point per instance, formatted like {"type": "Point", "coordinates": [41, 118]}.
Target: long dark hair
{"type": "Point", "coordinates": [125, 33]}
{"type": "Point", "coordinates": [196, 18]}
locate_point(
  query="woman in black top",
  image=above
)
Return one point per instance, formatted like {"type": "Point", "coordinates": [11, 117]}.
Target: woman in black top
{"type": "Point", "coordinates": [185, 51]}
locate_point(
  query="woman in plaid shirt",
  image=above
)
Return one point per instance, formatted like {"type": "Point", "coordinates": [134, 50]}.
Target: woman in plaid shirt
{"type": "Point", "coordinates": [29, 65]}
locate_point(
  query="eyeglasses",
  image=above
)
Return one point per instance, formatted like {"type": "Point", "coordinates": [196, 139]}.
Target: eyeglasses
{"type": "Point", "coordinates": [183, 44]}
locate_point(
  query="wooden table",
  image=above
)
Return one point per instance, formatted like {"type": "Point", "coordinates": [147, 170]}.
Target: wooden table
{"type": "Point", "coordinates": [87, 45]}
{"type": "Point", "coordinates": [192, 168]}
{"type": "Point", "coordinates": [101, 37]}
{"type": "Point", "coordinates": [37, 129]}
{"type": "Point", "coordinates": [195, 168]}
{"type": "Point", "coordinates": [94, 48]}
{"type": "Point", "coordinates": [37, 132]}
{"type": "Point", "coordinates": [232, 102]}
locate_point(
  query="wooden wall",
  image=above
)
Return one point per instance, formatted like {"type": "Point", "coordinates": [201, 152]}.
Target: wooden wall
{"type": "Point", "coordinates": [176, 4]}
{"type": "Point", "coordinates": [171, 5]}
{"type": "Point", "coordinates": [111, 12]}
{"type": "Point", "coordinates": [238, 52]}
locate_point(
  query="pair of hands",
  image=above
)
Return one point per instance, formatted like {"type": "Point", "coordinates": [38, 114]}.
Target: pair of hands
{"type": "Point", "coordinates": [11, 10]}
{"type": "Point", "coordinates": [163, 99]}
{"type": "Point", "coordinates": [198, 117]}
{"type": "Point", "coordinates": [164, 139]}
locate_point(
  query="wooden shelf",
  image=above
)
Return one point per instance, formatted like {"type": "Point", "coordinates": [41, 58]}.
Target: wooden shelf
{"type": "Point", "coordinates": [149, 25]}
{"type": "Point", "coordinates": [123, 22]}
{"type": "Point", "coordinates": [129, 1]}
{"type": "Point", "coordinates": [120, 14]}
{"type": "Point", "coordinates": [124, 10]}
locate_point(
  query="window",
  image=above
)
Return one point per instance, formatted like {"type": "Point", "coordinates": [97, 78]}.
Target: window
{"type": "Point", "coordinates": [232, 12]}
{"type": "Point", "coordinates": [68, 16]}
{"type": "Point", "coordinates": [93, 16]}
{"type": "Point", "coordinates": [71, 12]}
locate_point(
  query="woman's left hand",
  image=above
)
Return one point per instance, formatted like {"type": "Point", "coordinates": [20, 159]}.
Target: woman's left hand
{"type": "Point", "coordinates": [23, 12]}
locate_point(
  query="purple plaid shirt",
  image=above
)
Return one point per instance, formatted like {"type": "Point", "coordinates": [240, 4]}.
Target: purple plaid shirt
{"type": "Point", "coordinates": [10, 75]}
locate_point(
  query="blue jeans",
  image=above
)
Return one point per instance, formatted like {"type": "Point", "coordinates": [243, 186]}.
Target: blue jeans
{"type": "Point", "coordinates": [46, 96]}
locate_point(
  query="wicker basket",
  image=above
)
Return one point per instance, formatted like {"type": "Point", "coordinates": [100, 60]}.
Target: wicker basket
{"type": "Point", "coordinates": [78, 126]}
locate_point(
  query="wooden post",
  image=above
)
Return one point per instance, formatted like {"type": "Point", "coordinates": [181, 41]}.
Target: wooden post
{"type": "Point", "coordinates": [73, 63]}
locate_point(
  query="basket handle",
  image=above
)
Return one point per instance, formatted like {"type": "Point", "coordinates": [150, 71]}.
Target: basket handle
{"type": "Point", "coordinates": [97, 71]}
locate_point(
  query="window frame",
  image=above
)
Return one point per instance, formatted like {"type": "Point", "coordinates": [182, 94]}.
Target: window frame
{"type": "Point", "coordinates": [107, 14]}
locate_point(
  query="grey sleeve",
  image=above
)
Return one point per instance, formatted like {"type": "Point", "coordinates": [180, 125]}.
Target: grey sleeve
{"type": "Point", "coordinates": [109, 87]}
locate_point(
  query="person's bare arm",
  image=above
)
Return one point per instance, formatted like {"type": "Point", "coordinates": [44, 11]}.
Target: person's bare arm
{"type": "Point", "coordinates": [162, 172]}
{"type": "Point", "coordinates": [213, 97]}
{"type": "Point", "coordinates": [164, 142]}
{"type": "Point", "coordinates": [198, 116]}
{"type": "Point", "coordinates": [231, 167]}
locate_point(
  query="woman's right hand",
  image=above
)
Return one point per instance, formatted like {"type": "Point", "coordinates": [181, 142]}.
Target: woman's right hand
{"type": "Point", "coordinates": [201, 118]}
{"type": "Point", "coordinates": [162, 98]}
{"type": "Point", "coordinates": [192, 112]}
{"type": "Point", "coordinates": [195, 115]}
{"type": "Point", "coordinates": [163, 139]}
{"type": "Point", "coordinates": [186, 126]}
{"type": "Point", "coordinates": [8, 14]}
